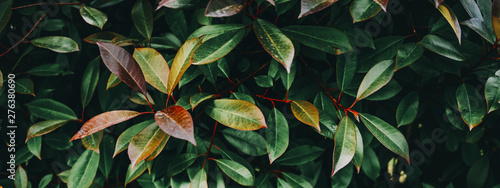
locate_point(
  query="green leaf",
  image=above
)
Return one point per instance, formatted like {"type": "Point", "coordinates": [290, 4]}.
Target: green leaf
{"type": "Point", "coordinates": [357, 160]}
{"type": "Point", "coordinates": [44, 127]}
{"type": "Point", "coordinates": [199, 180]}
{"type": "Point", "coordinates": [264, 81]}
{"type": "Point", "coordinates": [345, 144]}
{"type": "Point", "coordinates": [236, 172]}
{"type": "Point", "coordinates": [181, 62]}
{"type": "Point", "coordinates": [93, 16]}
{"type": "Point", "coordinates": [47, 70]}
{"type": "Point", "coordinates": [84, 170]}
{"type": "Point", "coordinates": [93, 141]}
{"type": "Point", "coordinates": [471, 105]}
{"type": "Point", "coordinates": [45, 181]}
{"type": "Point", "coordinates": [142, 16]}
{"type": "Point", "coordinates": [124, 139]}
{"type": "Point", "coordinates": [346, 69]}
{"type": "Point", "coordinates": [299, 155]}
{"type": "Point", "coordinates": [362, 10]}
{"type": "Point", "coordinates": [89, 81]}
{"type": "Point", "coordinates": [283, 184]}
{"type": "Point", "coordinates": [180, 163]}
{"type": "Point", "coordinates": [479, 27]}
{"type": "Point", "coordinates": [106, 160]}
{"type": "Point", "coordinates": [113, 81]}
{"type": "Point", "coordinates": [199, 98]}
{"type": "Point", "coordinates": [237, 114]}
{"type": "Point", "coordinates": [51, 109]}
{"type": "Point", "coordinates": [5, 13]}
{"type": "Point", "coordinates": [442, 47]}
{"type": "Point", "coordinates": [407, 109]}
{"type": "Point", "coordinates": [25, 86]}
{"type": "Point", "coordinates": [212, 31]}
{"type": "Point", "coordinates": [176, 21]}
{"type": "Point", "coordinates": [287, 77]}
{"type": "Point", "coordinates": [378, 76]}
{"type": "Point", "coordinates": [306, 112]}
{"type": "Point", "coordinates": [35, 146]}
{"type": "Point", "coordinates": [343, 177]}
{"type": "Point", "coordinates": [385, 49]}
{"type": "Point", "coordinates": [388, 91]}
{"type": "Point", "coordinates": [154, 67]}
{"type": "Point", "coordinates": [296, 181]}
{"type": "Point", "coordinates": [448, 14]}
{"type": "Point", "coordinates": [249, 142]}
{"type": "Point", "coordinates": [371, 166]}
{"type": "Point", "coordinates": [242, 96]}
{"type": "Point", "coordinates": [478, 172]}
{"type": "Point", "coordinates": [277, 135]}
{"type": "Point", "coordinates": [407, 54]}
{"type": "Point", "coordinates": [21, 178]}
{"type": "Point", "coordinates": [145, 143]}
{"type": "Point", "coordinates": [492, 92]}
{"type": "Point", "coordinates": [389, 136]}
{"type": "Point", "coordinates": [56, 43]}
{"type": "Point", "coordinates": [274, 42]}
{"type": "Point", "coordinates": [134, 172]}
{"type": "Point", "coordinates": [214, 48]}
{"type": "Point", "coordinates": [326, 39]}
{"type": "Point", "coordinates": [210, 71]}
{"type": "Point", "coordinates": [103, 36]}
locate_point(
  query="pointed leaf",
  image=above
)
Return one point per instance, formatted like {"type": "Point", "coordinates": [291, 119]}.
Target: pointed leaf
{"type": "Point", "coordinates": [5, 13]}
{"type": "Point", "coordinates": [25, 86]}
{"type": "Point", "coordinates": [103, 36]}
{"type": "Point", "coordinates": [378, 76]}
{"type": "Point", "coordinates": [44, 127]}
{"type": "Point", "coordinates": [274, 42]}
{"type": "Point", "coordinates": [212, 49]}
{"type": "Point", "coordinates": [357, 160]}
{"type": "Point", "coordinates": [106, 160]}
{"type": "Point", "coordinates": [249, 142]}
{"type": "Point", "coordinates": [492, 92]}
{"type": "Point", "coordinates": [124, 139]}
{"type": "Point", "coordinates": [407, 54]}
{"type": "Point", "coordinates": [437, 3]}
{"type": "Point", "coordinates": [84, 170]}
{"type": "Point", "coordinates": [93, 141]}
{"type": "Point", "coordinates": [93, 16]}
{"type": "Point", "coordinates": [326, 39]}
{"type": "Point", "coordinates": [306, 112]}
{"type": "Point", "coordinates": [180, 163]}
{"type": "Point", "coordinates": [407, 109]}
{"type": "Point", "coordinates": [181, 62]}
{"type": "Point", "coordinates": [277, 135]}
{"type": "Point", "coordinates": [212, 31]}
{"type": "Point", "coordinates": [199, 98]}
{"type": "Point", "coordinates": [177, 122]}
{"type": "Point", "coordinates": [45, 181]}
{"type": "Point", "coordinates": [296, 180]}
{"type": "Point", "coordinates": [142, 16]}
{"type": "Point", "coordinates": [371, 166]}
{"type": "Point", "coordinates": [495, 17]}
{"type": "Point", "coordinates": [362, 10]}
{"type": "Point", "coordinates": [237, 114]}
{"type": "Point", "coordinates": [154, 67]}
{"type": "Point", "coordinates": [389, 136]}
{"type": "Point", "coordinates": [236, 171]}
{"type": "Point", "coordinates": [452, 20]}
{"type": "Point", "coordinates": [199, 180]}
{"type": "Point", "coordinates": [134, 172]}
{"type": "Point", "coordinates": [145, 143]}
{"type": "Point", "coordinates": [345, 144]}
{"type": "Point", "coordinates": [112, 81]}
{"type": "Point", "coordinates": [89, 81]}
{"type": "Point", "coordinates": [35, 146]}
{"type": "Point", "coordinates": [442, 47]}
{"type": "Point", "coordinates": [385, 48]}
{"type": "Point", "coordinates": [312, 6]}
{"type": "Point", "coordinates": [51, 109]}
{"type": "Point", "coordinates": [103, 121]}
{"type": "Point", "coordinates": [478, 172]}
{"type": "Point", "coordinates": [21, 178]}
{"type": "Point", "coordinates": [222, 8]}
{"type": "Point", "coordinates": [56, 43]}
{"type": "Point", "coordinates": [479, 27]}
{"type": "Point", "coordinates": [382, 3]}
{"type": "Point", "coordinates": [159, 149]}
{"type": "Point", "coordinates": [471, 105]}
{"type": "Point", "coordinates": [287, 77]}
{"type": "Point", "coordinates": [346, 69]}
{"type": "Point", "coordinates": [472, 9]}
{"type": "Point", "coordinates": [299, 155]}
{"type": "Point", "coordinates": [121, 64]}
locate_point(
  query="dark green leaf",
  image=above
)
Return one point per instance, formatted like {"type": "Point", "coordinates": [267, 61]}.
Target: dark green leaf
{"type": "Point", "coordinates": [345, 144]}
{"type": "Point", "coordinates": [407, 109]}
{"type": "Point", "coordinates": [93, 16]}
{"type": "Point", "coordinates": [371, 166]}
{"type": "Point", "coordinates": [274, 42]}
{"type": "Point", "coordinates": [89, 81]}
{"type": "Point", "coordinates": [364, 9]}
{"type": "Point", "coordinates": [50, 109]}
{"type": "Point", "coordinates": [478, 172]}
{"type": "Point", "coordinates": [56, 43]}
{"type": "Point", "coordinates": [84, 170]}
{"type": "Point", "coordinates": [326, 39]}
{"type": "Point", "coordinates": [277, 135]}
{"type": "Point", "coordinates": [378, 76]}
{"type": "Point", "coordinates": [249, 142]}
{"type": "Point", "coordinates": [471, 105]}
{"type": "Point", "coordinates": [299, 155]}
{"type": "Point", "coordinates": [407, 54]}
{"type": "Point", "coordinates": [441, 47]}
{"type": "Point", "coordinates": [142, 16]}
{"type": "Point", "coordinates": [236, 171]}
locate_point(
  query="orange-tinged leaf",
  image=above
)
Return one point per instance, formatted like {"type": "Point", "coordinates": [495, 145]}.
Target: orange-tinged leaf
{"type": "Point", "coordinates": [182, 61]}
{"type": "Point", "coordinates": [495, 17]}
{"type": "Point", "coordinates": [92, 141]}
{"type": "Point", "coordinates": [306, 112]}
{"type": "Point", "coordinates": [144, 143]}
{"type": "Point", "coordinates": [154, 67]}
{"type": "Point", "coordinates": [452, 20]}
{"type": "Point", "coordinates": [158, 149]}
{"type": "Point", "coordinates": [103, 121]}
{"type": "Point", "coordinates": [237, 114]}
{"type": "Point", "coordinates": [177, 122]}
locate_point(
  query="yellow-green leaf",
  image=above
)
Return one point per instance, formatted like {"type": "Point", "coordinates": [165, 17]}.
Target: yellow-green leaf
{"type": "Point", "coordinates": [306, 112]}
{"type": "Point", "coordinates": [237, 114]}
{"type": "Point", "coordinates": [274, 42]}
{"type": "Point", "coordinates": [181, 62]}
{"type": "Point", "coordinates": [154, 67]}
{"type": "Point", "coordinates": [452, 19]}
{"type": "Point", "coordinates": [145, 143]}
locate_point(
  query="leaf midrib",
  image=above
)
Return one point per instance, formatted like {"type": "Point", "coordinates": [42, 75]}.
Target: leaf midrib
{"type": "Point", "coordinates": [373, 125]}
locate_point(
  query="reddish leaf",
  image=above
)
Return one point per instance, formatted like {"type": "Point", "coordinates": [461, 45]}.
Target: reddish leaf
{"type": "Point", "coordinates": [121, 64]}
{"type": "Point", "coordinates": [222, 8]}
{"type": "Point", "coordinates": [164, 3]}
{"type": "Point", "coordinates": [177, 122]}
{"type": "Point", "coordinates": [382, 3]}
{"type": "Point", "coordinates": [312, 6]}
{"type": "Point", "coordinates": [103, 121]}
{"type": "Point", "coordinates": [144, 143]}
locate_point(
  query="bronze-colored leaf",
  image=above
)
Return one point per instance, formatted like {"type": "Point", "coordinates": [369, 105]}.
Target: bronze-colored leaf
{"type": "Point", "coordinates": [177, 122]}
{"type": "Point", "coordinates": [103, 121]}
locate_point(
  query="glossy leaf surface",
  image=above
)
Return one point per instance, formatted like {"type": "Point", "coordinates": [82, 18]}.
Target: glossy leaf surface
{"type": "Point", "coordinates": [177, 122]}
{"type": "Point", "coordinates": [237, 114]}
{"type": "Point", "coordinates": [103, 121]}
{"type": "Point", "coordinates": [277, 44]}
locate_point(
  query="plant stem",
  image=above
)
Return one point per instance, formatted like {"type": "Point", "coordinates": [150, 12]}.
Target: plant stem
{"type": "Point", "coordinates": [34, 26]}
{"type": "Point", "coordinates": [210, 146]}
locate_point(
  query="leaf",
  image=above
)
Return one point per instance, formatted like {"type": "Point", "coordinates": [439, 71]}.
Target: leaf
{"type": "Point", "coordinates": [274, 42]}
{"type": "Point", "coordinates": [124, 139]}
{"type": "Point", "coordinates": [89, 81]}
{"type": "Point", "coordinates": [264, 81]}
{"type": "Point", "coordinates": [222, 8]}
{"type": "Point", "coordinates": [478, 172]}
{"type": "Point", "coordinates": [296, 181]}
{"type": "Point", "coordinates": [343, 177]}
{"type": "Point", "coordinates": [479, 27]}
{"type": "Point", "coordinates": [299, 155]}
{"type": "Point", "coordinates": [199, 180]}
{"type": "Point", "coordinates": [371, 166]}
{"type": "Point", "coordinates": [181, 62]}
{"type": "Point", "coordinates": [362, 10]}
{"type": "Point", "coordinates": [93, 141]}
{"type": "Point", "coordinates": [237, 114]}
{"type": "Point", "coordinates": [44, 127]}
{"type": "Point", "coordinates": [177, 122]}
{"type": "Point", "coordinates": [47, 70]}
{"type": "Point", "coordinates": [35, 146]}
{"type": "Point", "coordinates": [495, 17]}
{"type": "Point", "coordinates": [249, 142]}
{"type": "Point", "coordinates": [176, 21]}
{"type": "Point", "coordinates": [385, 48]}
{"type": "Point", "coordinates": [142, 16]}
{"type": "Point", "coordinates": [154, 67]}
{"type": "Point", "coordinates": [84, 170]}
{"type": "Point", "coordinates": [345, 144]}
{"type": "Point", "coordinates": [25, 86]}
{"type": "Point", "coordinates": [346, 69]}
{"type": "Point", "coordinates": [56, 43]}
{"type": "Point", "coordinates": [180, 163]}
{"type": "Point", "coordinates": [378, 76]}
{"type": "Point", "coordinates": [407, 109]}
{"type": "Point", "coordinates": [357, 160]}
{"type": "Point", "coordinates": [470, 105]}
{"type": "Point", "coordinates": [472, 9]}
{"type": "Point", "coordinates": [103, 121]}
{"type": "Point", "coordinates": [103, 36]}
{"type": "Point", "coordinates": [326, 39]}
{"type": "Point", "coordinates": [121, 64]}
{"type": "Point", "coordinates": [112, 81]}
{"type": "Point", "coordinates": [21, 178]}
{"type": "Point", "coordinates": [287, 78]}
{"type": "Point", "coordinates": [134, 172]}
{"type": "Point", "coordinates": [145, 143]}
{"type": "Point", "coordinates": [407, 54]}
{"type": "Point", "coordinates": [492, 92]}
{"type": "Point", "coordinates": [212, 31]}
{"type": "Point", "coordinates": [236, 172]}
{"type": "Point", "coordinates": [5, 13]}
{"type": "Point", "coordinates": [389, 136]}
{"type": "Point", "coordinates": [176, 4]}
{"type": "Point", "coordinates": [106, 160]}
{"type": "Point", "coordinates": [45, 181]}
{"type": "Point", "coordinates": [442, 47]}
{"type": "Point", "coordinates": [93, 16]}
{"type": "Point", "coordinates": [437, 3]}
{"type": "Point", "coordinates": [50, 109]}
{"type": "Point", "coordinates": [308, 7]}
{"type": "Point", "coordinates": [214, 48]}
{"type": "Point", "coordinates": [382, 3]}
{"type": "Point", "coordinates": [277, 135]}
{"type": "Point", "coordinates": [210, 71]}
{"type": "Point", "coordinates": [199, 98]}
{"type": "Point", "coordinates": [452, 19]}
{"type": "Point", "coordinates": [159, 149]}
{"type": "Point", "coordinates": [306, 112]}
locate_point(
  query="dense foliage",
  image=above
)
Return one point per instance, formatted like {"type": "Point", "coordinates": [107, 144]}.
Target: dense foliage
{"type": "Point", "coordinates": [275, 93]}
